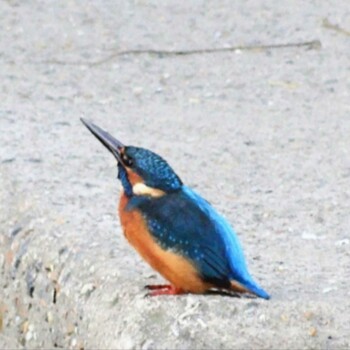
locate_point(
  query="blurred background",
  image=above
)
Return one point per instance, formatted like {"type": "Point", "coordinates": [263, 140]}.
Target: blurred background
{"type": "Point", "coordinates": [249, 102]}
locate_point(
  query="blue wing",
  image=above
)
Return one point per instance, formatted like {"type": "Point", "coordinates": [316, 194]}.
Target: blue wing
{"type": "Point", "coordinates": [234, 252]}
{"type": "Point", "coordinates": [185, 222]}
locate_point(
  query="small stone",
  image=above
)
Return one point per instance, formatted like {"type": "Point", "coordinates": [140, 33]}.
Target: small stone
{"type": "Point", "coordinates": [70, 328]}
{"type": "Point", "coordinates": [163, 79]}
{"type": "Point", "coordinates": [328, 290]}
{"type": "Point", "coordinates": [138, 90]}
{"type": "Point", "coordinates": [284, 318]}
{"type": "Point", "coordinates": [308, 315]}
{"type": "Point", "coordinates": [262, 318]}
{"type": "Point", "coordinates": [79, 344]}
{"type": "Point", "coordinates": [21, 309]}
{"type": "Point", "coordinates": [87, 289]}
{"type": "Point", "coordinates": [53, 275]}
{"type": "Point", "coordinates": [73, 342]}
{"type": "Point", "coordinates": [194, 100]}
{"type": "Point", "coordinates": [28, 336]}
{"type": "Point", "coordinates": [342, 242]}
{"type": "Point", "coordinates": [9, 257]}
{"type": "Point", "coordinates": [313, 331]}
{"type": "Point", "coordinates": [49, 317]}
{"type": "Point", "coordinates": [311, 236]}
{"type": "Point", "coordinates": [175, 330]}
{"type": "Point", "coordinates": [25, 327]}
{"type": "Point", "coordinates": [49, 267]}
{"type": "Point", "coordinates": [17, 320]}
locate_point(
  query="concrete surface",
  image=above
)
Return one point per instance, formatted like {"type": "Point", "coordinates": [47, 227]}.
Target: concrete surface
{"type": "Point", "coordinates": [262, 134]}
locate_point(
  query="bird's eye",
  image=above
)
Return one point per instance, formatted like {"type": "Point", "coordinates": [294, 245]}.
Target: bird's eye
{"type": "Point", "coordinates": [127, 160]}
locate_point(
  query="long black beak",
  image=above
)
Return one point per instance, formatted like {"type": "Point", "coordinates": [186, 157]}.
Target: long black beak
{"type": "Point", "coordinates": [112, 144]}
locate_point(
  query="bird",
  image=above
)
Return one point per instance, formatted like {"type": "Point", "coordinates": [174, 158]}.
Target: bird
{"type": "Point", "coordinates": [175, 230]}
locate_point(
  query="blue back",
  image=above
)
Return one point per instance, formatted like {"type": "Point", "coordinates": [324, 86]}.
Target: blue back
{"type": "Point", "coordinates": [186, 223]}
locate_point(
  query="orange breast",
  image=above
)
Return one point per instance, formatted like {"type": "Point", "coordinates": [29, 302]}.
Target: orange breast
{"type": "Point", "coordinates": [173, 267]}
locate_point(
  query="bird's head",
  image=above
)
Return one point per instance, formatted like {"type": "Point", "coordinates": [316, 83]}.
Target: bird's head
{"type": "Point", "coordinates": [142, 172]}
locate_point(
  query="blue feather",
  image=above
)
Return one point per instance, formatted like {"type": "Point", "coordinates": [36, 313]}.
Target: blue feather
{"type": "Point", "coordinates": [123, 177]}
{"type": "Point", "coordinates": [184, 222]}
{"type": "Point", "coordinates": [153, 169]}
{"type": "Point", "coordinates": [234, 250]}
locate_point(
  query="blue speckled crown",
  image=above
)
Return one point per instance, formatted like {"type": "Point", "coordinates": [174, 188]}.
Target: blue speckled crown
{"type": "Point", "coordinates": [154, 170]}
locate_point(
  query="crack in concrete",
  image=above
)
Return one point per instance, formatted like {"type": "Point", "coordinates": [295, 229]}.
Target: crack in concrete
{"type": "Point", "coordinates": [308, 45]}
{"type": "Point", "coordinates": [328, 25]}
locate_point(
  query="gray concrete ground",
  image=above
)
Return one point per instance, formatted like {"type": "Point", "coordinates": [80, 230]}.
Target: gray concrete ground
{"type": "Point", "coordinates": [262, 134]}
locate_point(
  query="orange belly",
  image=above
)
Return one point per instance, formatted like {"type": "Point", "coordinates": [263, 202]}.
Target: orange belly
{"type": "Point", "coordinates": [176, 269]}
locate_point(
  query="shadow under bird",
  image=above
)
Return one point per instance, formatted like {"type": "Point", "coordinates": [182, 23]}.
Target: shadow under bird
{"type": "Point", "coordinates": [173, 228]}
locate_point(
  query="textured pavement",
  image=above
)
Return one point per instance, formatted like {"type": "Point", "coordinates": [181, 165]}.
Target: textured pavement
{"type": "Point", "coordinates": [262, 134]}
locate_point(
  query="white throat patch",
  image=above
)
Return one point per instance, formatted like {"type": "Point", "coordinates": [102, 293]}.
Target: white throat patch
{"type": "Point", "coordinates": [140, 189]}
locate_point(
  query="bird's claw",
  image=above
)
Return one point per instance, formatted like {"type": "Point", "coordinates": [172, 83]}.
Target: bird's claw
{"type": "Point", "coordinates": [163, 289]}
{"type": "Point", "coordinates": [157, 286]}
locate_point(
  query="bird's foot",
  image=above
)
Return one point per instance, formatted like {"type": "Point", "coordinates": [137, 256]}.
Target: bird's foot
{"type": "Point", "coordinates": [163, 289]}
{"type": "Point", "coordinates": [157, 286]}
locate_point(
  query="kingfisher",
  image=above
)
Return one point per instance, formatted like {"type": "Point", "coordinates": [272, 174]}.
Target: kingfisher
{"type": "Point", "coordinates": [176, 231]}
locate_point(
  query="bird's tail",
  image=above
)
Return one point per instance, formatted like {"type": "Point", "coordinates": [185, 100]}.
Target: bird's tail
{"type": "Point", "coordinates": [249, 287]}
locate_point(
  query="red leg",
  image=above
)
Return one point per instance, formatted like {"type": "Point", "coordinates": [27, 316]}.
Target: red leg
{"type": "Point", "coordinates": [158, 286]}
{"type": "Point", "coordinates": [168, 291]}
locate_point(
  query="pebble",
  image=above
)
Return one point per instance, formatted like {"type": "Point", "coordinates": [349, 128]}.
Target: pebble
{"type": "Point", "coordinates": [313, 331]}
{"type": "Point", "coordinates": [308, 315]}
{"type": "Point", "coordinates": [28, 336]}
{"type": "Point", "coordinates": [70, 327]}
{"type": "Point", "coordinates": [25, 326]}
{"type": "Point", "coordinates": [87, 289]}
{"type": "Point", "coordinates": [342, 242]}
{"type": "Point", "coordinates": [138, 90]}
{"type": "Point", "coordinates": [194, 100]}
{"type": "Point", "coordinates": [49, 267]}
{"type": "Point", "coordinates": [73, 342]}
{"type": "Point", "coordinates": [175, 330]}
{"type": "Point", "coordinates": [262, 318]}
{"type": "Point", "coordinates": [9, 257]}
{"type": "Point", "coordinates": [328, 290]}
{"type": "Point", "coordinates": [21, 308]}
{"type": "Point", "coordinates": [311, 236]}
{"type": "Point", "coordinates": [202, 323]}
{"type": "Point", "coordinates": [49, 317]}
{"type": "Point", "coordinates": [284, 318]}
